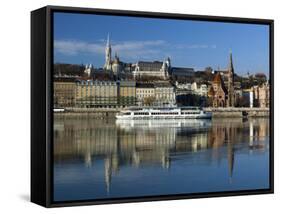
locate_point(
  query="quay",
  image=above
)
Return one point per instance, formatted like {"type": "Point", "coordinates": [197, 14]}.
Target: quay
{"type": "Point", "coordinates": [74, 112]}
{"type": "Point", "coordinates": [111, 112]}
{"type": "Point", "coordinates": [233, 112]}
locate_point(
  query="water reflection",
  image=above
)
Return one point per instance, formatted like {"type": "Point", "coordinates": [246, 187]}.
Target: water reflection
{"type": "Point", "coordinates": [162, 144]}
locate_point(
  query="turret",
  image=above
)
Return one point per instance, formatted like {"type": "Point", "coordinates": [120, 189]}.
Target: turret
{"type": "Point", "coordinates": [166, 67]}
{"type": "Point", "coordinates": [88, 70]}
{"type": "Point", "coordinates": [168, 62]}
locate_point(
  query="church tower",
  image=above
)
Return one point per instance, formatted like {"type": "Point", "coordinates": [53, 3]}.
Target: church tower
{"type": "Point", "coordinates": [230, 90]}
{"type": "Point", "coordinates": [107, 65]}
{"type": "Point", "coordinates": [116, 66]}
{"type": "Point", "coordinates": [166, 68]}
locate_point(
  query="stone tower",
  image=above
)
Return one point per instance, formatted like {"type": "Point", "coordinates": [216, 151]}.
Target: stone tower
{"type": "Point", "coordinates": [88, 70]}
{"type": "Point", "coordinates": [107, 65]}
{"type": "Point", "coordinates": [230, 88]}
{"type": "Point", "coordinates": [116, 66]}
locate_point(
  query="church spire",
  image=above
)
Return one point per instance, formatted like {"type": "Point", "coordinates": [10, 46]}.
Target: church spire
{"type": "Point", "coordinates": [231, 98]}
{"type": "Point", "coordinates": [108, 41]}
{"type": "Point", "coordinates": [231, 62]}
{"type": "Point", "coordinates": [107, 64]}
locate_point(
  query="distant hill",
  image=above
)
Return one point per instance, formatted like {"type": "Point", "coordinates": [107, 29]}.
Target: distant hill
{"type": "Point", "coordinates": [201, 77]}
{"type": "Point", "coordinates": [68, 69]}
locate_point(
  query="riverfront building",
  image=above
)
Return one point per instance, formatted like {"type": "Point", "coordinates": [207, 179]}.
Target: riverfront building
{"type": "Point", "coordinates": [64, 92]}
{"type": "Point", "coordinates": [145, 94]}
{"type": "Point", "coordinates": [147, 83]}
{"type": "Point", "coordinates": [220, 94]}
{"type": "Point", "coordinates": [126, 93]}
{"type": "Point", "coordinates": [261, 95]}
{"type": "Point", "coordinates": [156, 94]}
{"type": "Point", "coordinates": [201, 90]}
{"type": "Point", "coordinates": [165, 94]}
{"type": "Point", "coordinates": [98, 94]}
{"type": "Point", "coordinates": [217, 92]}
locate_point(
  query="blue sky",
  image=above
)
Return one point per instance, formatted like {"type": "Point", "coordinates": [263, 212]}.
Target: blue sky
{"type": "Point", "coordinates": [81, 39]}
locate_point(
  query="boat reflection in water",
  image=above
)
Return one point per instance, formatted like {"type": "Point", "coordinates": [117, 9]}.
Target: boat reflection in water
{"type": "Point", "coordinates": [95, 158]}
{"type": "Point", "coordinates": [162, 123]}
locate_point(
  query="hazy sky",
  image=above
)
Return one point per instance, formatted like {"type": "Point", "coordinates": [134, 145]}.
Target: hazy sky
{"type": "Point", "coordinates": [81, 38]}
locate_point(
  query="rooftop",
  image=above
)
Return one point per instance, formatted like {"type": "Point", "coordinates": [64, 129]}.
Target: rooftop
{"type": "Point", "coordinates": [144, 85]}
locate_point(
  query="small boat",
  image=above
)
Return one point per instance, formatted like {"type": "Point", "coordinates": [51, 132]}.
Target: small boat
{"type": "Point", "coordinates": [164, 113]}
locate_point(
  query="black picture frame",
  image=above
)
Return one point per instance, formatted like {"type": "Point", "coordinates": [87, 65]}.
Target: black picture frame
{"type": "Point", "coordinates": [41, 104]}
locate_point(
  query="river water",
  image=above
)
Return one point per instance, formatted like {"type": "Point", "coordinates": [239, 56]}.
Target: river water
{"type": "Point", "coordinates": [108, 158]}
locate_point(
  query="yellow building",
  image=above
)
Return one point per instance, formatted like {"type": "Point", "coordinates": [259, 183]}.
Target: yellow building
{"type": "Point", "coordinates": [98, 94]}
{"type": "Point", "coordinates": [145, 94]}
{"type": "Point", "coordinates": [64, 93]}
{"type": "Point", "coordinates": [261, 95]}
{"type": "Point", "coordinates": [127, 93]}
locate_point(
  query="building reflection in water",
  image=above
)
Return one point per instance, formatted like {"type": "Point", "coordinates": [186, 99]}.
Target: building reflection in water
{"type": "Point", "coordinates": [155, 142]}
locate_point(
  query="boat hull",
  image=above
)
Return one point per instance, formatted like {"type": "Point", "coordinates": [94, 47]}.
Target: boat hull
{"type": "Point", "coordinates": [136, 117]}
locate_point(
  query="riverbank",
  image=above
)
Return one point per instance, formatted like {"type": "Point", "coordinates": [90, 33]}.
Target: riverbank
{"type": "Point", "coordinates": [238, 112]}
{"type": "Point", "coordinates": [111, 112]}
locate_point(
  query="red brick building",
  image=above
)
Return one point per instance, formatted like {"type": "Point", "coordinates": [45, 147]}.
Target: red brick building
{"type": "Point", "coordinates": [218, 92]}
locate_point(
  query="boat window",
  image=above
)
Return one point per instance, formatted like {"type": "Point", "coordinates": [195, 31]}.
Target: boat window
{"type": "Point", "coordinates": [141, 113]}
{"type": "Point", "coordinates": [164, 113]}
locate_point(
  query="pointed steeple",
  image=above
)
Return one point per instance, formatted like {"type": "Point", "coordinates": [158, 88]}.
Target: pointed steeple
{"type": "Point", "coordinates": [230, 61]}
{"type": "Point", "coordinates": [107, 64]}
{"type": "Point", "coordinates": [108, 40]}
{"type": "Point", "coordinates": [231, 98]}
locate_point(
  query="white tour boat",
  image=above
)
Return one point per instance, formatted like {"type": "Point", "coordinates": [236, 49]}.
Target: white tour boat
{"type": "Point", "coordinates": [164, 113]}
{"type": "Point", "coordinates": [58, 110]}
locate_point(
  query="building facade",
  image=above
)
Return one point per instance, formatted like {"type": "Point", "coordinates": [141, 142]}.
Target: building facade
{"type": "Point", "coordinates": [126, 93]}
{"type": "Point", "coordinates": [152, 69]}
{"type": "Point", "coordinates": [202, 90]}
{"type": "Point", "coordinates": [182, 72]}
{"type": "Point", "coordinates": [222, 95]}
{"type": "Point", "coordinates": [64, 93]}
{"type": "Point", "coordinates": [164, 94]}
{"type": "Point", "coordinates": [145, 94]}
{"type": "Point", "coordinates": [217, 92]}
{"type": "Point", "coordinates": [99, 94]}
{"type": "Point", "coordinates": [261, 96]}
{"type": "Point", "coordinates": [185, 86]}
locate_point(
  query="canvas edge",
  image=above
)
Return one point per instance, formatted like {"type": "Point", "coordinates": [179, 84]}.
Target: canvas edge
{"type": "Point", "coordinates": [49, 48]}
